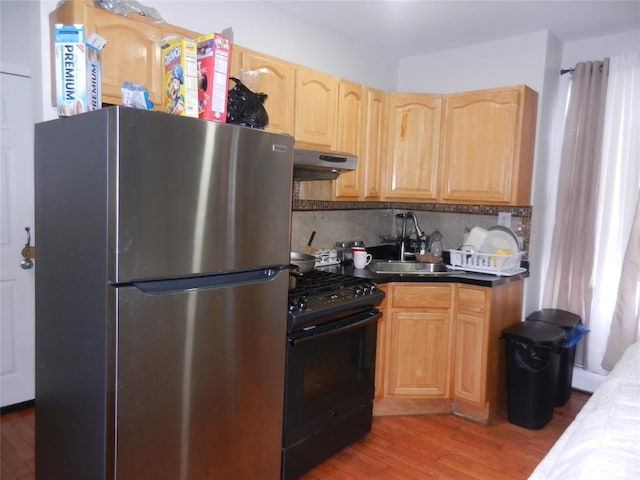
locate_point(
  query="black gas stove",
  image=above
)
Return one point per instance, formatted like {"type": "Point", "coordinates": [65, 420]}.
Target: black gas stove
{"type": "Point", "coordinates": [321, 297]}
{"type": "Point", "coordinates": [330, 367]}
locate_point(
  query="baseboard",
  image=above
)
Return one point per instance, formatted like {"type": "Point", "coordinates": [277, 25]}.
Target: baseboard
{"type": "Point", "coordinates": [17, 406]}
{"type": "Point", "coordinates": [585, 380]}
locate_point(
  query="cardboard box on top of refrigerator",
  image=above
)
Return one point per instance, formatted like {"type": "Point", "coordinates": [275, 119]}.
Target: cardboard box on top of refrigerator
{"type": "Point", "coordinates": [214, 54]}
{"type": "Point", "coordinates": [78, 70]}
{"type": "Point", "coordinates": [180, 66]}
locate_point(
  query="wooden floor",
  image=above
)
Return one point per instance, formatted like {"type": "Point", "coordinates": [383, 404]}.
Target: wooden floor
{"type": "Point", "coordinates": [17, 443]}
{"type": "Point", "coordinates": [398, 448]}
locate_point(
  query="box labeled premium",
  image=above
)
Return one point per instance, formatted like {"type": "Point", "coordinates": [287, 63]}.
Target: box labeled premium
{"type": "Point", "coordinates": [180, 64]}
{"type": "Point", "coordinates": [78, 70]}
{"type": "Point", "coordinates": [214, 53]}
{"type": "Point", "coordinates": [71, 69]}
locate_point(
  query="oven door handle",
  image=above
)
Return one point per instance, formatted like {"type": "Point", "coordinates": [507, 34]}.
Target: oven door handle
{"type": "Point", "coordinates": [338, 331]}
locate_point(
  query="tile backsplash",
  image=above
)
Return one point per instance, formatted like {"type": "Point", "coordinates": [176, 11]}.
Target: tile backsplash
{"type": "Point", "coordinates": [340, 221]}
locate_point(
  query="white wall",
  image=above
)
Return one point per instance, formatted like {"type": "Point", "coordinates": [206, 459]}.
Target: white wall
{"type": "Point", "coordinates": [601, 47]}
{"type": "Point", "coordinates": [22, 49]}
{"type": "Point", "coordinates": [511, 61]}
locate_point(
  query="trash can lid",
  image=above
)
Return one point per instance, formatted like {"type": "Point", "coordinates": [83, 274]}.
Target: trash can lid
{"type": "Point", "coordinates": [560, 318]}
{"type": "Point", "coordinates": [536, 334]}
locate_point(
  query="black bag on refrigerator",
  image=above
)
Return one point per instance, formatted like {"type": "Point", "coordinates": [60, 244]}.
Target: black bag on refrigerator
{"type": "Point", "coordinates": [245, 107]}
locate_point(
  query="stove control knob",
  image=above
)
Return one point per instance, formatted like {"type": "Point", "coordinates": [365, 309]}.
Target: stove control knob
{"type": "Point", "coordinates": [297, 305]}
{"type": "Point", "coordinates": [358, 291]}
{"type": "Point", "coordinates": [368, 288]}
{"type": "Point", "coordinates": [303, 304]}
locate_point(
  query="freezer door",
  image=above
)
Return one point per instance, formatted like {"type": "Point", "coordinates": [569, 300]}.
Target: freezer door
{"type": "Point", "coordinates": [200, 382]}
{"type": "Point", "coordinates": [197, 197]}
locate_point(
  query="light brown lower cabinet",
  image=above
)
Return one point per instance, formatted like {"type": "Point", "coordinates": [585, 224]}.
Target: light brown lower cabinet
{"type": "Point", "coordinates": [414, 349]}
{"type": "Point", "coordinates": [440, 348]}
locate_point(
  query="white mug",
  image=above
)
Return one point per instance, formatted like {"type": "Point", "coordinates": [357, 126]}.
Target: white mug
{"type": "Point", "coordinates": [360, 257]}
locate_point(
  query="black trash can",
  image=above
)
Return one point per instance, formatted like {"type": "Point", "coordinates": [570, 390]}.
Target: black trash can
{"type": "Point", "coordinates": [533, 358]}
{"type": "Point", "coordinates": [572, 325]}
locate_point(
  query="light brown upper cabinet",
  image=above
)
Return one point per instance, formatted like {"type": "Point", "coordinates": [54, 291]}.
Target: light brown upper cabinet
{"type": "Point", "coordinates": [276, 78]}
{"type": "Point", "coordinates": [361, 130]}
{"type": "Point", "coordinates": [375, 129]}
{"type": "Point", "coordinates": [410, 171]}
{"type": "Point", "coordinates": [300, 101]}
{"type": "Point", "coordinates": [316, 107]}
{"type": "Point", "coordinates": [132, 53]}
{"type": "Point", "coordinates": [351, 137]}
{"type": "Point", "coordinates": [487, 146]}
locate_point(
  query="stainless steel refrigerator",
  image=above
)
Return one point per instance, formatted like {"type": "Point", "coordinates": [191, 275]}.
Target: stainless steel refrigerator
{"type": "Point", "coordinates": [161, 297]}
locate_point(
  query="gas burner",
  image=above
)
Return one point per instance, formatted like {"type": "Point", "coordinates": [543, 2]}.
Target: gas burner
{"type": "Point", "coordinates": [318, 281]}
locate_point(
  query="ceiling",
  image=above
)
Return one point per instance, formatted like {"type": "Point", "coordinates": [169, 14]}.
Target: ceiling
{"type": "Point", "coordinates": [422, 26]}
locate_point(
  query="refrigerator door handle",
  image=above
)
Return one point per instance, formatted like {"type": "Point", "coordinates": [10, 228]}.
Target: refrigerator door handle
{"type": "Point", "coordinates": [219, 280]}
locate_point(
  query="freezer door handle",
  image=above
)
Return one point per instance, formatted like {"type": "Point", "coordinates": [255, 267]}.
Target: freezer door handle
{"type": "Point", "coordinates": [227, 279]}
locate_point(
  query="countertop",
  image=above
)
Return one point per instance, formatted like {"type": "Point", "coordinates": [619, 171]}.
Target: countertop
{"type": "Point", "coordinates": [470, 278]}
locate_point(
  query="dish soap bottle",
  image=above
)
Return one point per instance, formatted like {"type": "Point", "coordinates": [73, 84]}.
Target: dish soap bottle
{"type": "Point", "coordinates": [436, 243]}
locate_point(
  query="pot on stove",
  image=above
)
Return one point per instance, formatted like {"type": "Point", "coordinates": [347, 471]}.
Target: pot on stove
{"type": "Point", "coordinates": [305, 262]}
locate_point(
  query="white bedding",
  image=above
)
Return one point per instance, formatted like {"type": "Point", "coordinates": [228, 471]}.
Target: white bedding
{"type": "Point", "coordinates": [603, 442]}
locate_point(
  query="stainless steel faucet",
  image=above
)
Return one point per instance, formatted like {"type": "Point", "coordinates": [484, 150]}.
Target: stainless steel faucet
{"type": "Point", "coordinates": [419, 231]}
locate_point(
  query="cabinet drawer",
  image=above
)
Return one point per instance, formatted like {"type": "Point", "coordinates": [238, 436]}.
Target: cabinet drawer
{"type": "Point", "coordinates": [417, 296]}
{"type": "Point", "coordinates": [471, 300]}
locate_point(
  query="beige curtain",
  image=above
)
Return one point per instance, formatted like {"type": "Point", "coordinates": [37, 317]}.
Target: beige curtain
{"type": "Point", "coordinates": [624, 326]}
{"type": "Point", "coordinates": [567, 286]}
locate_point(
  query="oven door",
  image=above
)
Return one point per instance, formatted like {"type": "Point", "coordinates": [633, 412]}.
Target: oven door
{"type": "Point", "coordinates": [330, 373]}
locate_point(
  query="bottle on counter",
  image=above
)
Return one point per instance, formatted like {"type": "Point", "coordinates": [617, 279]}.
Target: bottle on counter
{"type": "Point", "coordinates": [435, 245]}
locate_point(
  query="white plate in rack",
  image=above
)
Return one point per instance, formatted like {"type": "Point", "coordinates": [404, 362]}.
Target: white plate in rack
{"type": "Point", "coordinates": [500, 237]}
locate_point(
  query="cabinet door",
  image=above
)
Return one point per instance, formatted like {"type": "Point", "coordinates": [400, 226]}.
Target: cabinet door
{"type": "Point", "coordinates": [470, 344]}
{"type": "Point", "coordinates": [351, 134]}
{"type": "Point", "coordinates": [413, 144]}
{"type": "Point", "coordinates": [375, 124]}
{"type": "Point", "coordinates": [487, 147]}
{"type": "Point", "coordinates": [276, 78]}
{"type": "Point", "coordinates": [132, 54]}
{"type": "Point", "coordinates": [469, 361]}
{"type": "Point", "coordinates": [316, 105]}
{"type": "Point", "coordinates": [381, 345]}
{"type": "Point", "coordinates": [418, 353]}
{"type": "Point", "coordinates": [418, 332]}
{"type": "Point", "coordinates": [422, 296]}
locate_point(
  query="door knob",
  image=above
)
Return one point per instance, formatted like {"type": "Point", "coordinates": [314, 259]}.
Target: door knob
{"type": "Point", "coordinates": [28, 252]}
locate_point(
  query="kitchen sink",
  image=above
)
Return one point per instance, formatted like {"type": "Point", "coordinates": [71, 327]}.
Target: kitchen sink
{"type": "Point", "coordinates": [411, 268]}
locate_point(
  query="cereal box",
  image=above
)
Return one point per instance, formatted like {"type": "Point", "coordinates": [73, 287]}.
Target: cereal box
{"type": "Point", "coordinates": [180, 64]}
{"type": "Point", "coordinates": [214, 54]}
{"type": "Point", "coordinates": [78, 70]}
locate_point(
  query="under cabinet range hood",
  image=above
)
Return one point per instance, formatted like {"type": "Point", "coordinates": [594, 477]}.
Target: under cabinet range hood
{"type": "Point", "coordinates": [317, 165]}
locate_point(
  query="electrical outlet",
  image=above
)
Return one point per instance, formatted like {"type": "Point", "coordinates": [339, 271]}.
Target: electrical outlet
{"type": "Point", "coordinates": [504, 219]}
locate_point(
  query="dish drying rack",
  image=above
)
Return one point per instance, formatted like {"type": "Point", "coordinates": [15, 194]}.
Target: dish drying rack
{"type": "Point", "coordinates": [503, 265]}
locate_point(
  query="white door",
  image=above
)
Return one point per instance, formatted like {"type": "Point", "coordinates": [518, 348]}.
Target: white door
{"type": "Point", "coordinates": [17, 284]}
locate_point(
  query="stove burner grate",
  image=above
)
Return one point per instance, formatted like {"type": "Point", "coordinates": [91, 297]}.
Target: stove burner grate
{"type": "Point", "coordinates": [318, 282]}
